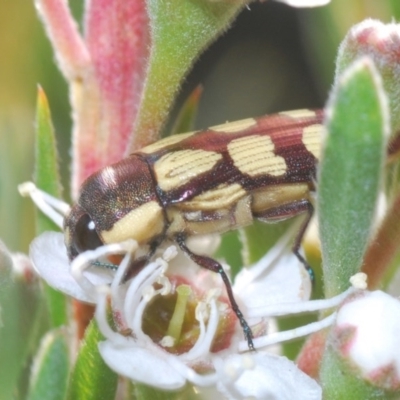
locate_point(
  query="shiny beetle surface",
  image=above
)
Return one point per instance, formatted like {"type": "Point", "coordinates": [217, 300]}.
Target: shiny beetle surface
{"type": "Point", "coordinates": [202, 182]}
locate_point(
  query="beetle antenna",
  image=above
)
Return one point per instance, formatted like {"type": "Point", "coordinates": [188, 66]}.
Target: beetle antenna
{"type": "Point", "coordinates": [111, 266]}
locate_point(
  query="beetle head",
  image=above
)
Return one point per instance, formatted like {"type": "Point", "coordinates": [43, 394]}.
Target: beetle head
{"type": "Point", "coordinates": [117, 203]}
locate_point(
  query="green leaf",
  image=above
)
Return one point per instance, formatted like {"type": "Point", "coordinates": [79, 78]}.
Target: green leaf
{"type": "Point", "coordinates": [230, 250]}
{"type": "Point", "coordinates": [185, 120]}
{"type": "Point", "coordinates": [5, 264]}
{"type": "Point", "coordinates": [91, 378]}
{"type": "Point", "coordinates": [21, 308]}
{"type": "Point", "coordinates": [47, 178]}
{"type": "Point", "coordinates": [188, 392]}
{"type": "Point", "coordinates": [50, 369]}
{"type": "Point", "coordinates": [351, 172]}
{"type": "Point", "coordinates": [180, 30]}
{"type": "Point", "coordinates": [395, 8]}
{"type": "Point", "coordinates": [259, 237]}
{"type": "Point", "coordinates": [46, 169]}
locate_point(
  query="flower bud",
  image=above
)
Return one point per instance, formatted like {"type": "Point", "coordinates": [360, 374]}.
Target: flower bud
{"type": "Point", "coordinates": [381, 42]}
{"type": "Point", "coordinates": [364, 344]}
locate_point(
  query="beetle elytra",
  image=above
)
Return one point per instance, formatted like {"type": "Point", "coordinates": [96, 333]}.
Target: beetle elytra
{"type": "Point", "coordinates": [203, 182]}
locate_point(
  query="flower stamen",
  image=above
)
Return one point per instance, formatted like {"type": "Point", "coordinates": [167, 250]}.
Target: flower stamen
{"type": "Point", "coordinates": [175, 324]}
{"type": "Point", "coordinates": [291, 334]}
{"type": "Point", "coordinates": [103, 293]}
{"type": "Point", "coordinates": [85, 260]}
{"type": "Point", "coordinates": [278, 310]}
{"type": "Point", "coordinates": [52, 207]}
{"type": "Point", "coordinates": [207, 332]}
{"type": "Point", "coordinates": [144, 279]}
{"type": "Point", "coordinates": [358, 281]}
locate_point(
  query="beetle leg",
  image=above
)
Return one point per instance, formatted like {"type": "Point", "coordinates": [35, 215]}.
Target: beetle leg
{"type": "Point", "coordinates": [137, 265]}
{"type": "Point", "coordinates": [215, 266]}
{"type": "Point", "coordinates": [287, 211]}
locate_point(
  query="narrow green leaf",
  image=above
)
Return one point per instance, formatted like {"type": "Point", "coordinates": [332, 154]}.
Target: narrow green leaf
{"type": "Point", "coordinates": [21, 307]}
{"type": "Point", "coordinates": [47, 178]}
{"type": "Point", "coordinates": [91, 378]}
{"type": "Point", "coordinates": [230, 250]}
{"type": "Point", "coordinates": [180, 30]}
{"type": "Point", "coordinates": [46, 169]}
{"type": "Point", "coordinates": [395, 8]}
{"type": "Point", "coordinates": [189, 392]}
{"type": "Point", "coordinates": [351, 172]}
{"type": "Point", "coordinates": [50, 369]}
{"type": "Point", "coordinates": [5, 264]}
{"type": "Point", "coordinates": [185, 120]}
{"type": "Point", "coordinates": [259, 237]}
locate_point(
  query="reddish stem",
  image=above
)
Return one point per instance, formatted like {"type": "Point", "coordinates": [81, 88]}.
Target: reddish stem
{"type": "Point", "coordinates": [83, 314]}
{"type": "Point", "coordinates": [309, 359]}
{"type": "Point", "coordinates": [67, 42]}
{"type": "Point", "coordinates": [384, 247]}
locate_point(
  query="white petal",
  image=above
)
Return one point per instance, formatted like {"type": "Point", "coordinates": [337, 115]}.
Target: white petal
{"type": "Point", "coordinates": [141, 365]}
{"type": "Point", "coordinates": [305, 3]}
{"type": "Point", "coordinates": [266, 376]}
{"type": "Point", "coordinates": [285, 281]}
{"type": "Point", "coordinates": [376, 320]}
{"type": "Point", "coordinates": [49, 257]}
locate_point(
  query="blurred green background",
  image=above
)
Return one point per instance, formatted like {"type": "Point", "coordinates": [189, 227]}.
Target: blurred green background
{"type": "Point", "coordinates": [273, 58]}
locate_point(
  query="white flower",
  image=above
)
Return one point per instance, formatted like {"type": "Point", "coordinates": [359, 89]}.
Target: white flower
{"type": "Point", "coordinates": [50, 259]}
{"type": "Point", "coordinates": [264, 376]}
{"type": "Point", "coordinates": [141, 358]}
{"type": "Point", "coordinates": [173, 322]}
{"type": "Point", "coordinates": [207, 353]}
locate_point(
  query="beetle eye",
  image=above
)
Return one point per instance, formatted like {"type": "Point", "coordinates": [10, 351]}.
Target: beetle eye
{"type": "Point", "coordinates": [85, 236]}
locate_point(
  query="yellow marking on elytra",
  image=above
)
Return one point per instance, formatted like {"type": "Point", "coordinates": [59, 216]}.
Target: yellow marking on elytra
{"type": "Point", "coordinates": [236, 126]}
{"type": "Point", "coordinates": [180, 167]}
{"type": "Point", "coordinates": [254, 156]}
{"type": "Point", "coordinates": [165, 142]}
{"type": "Point", "coordinates": [274, 196]}
{"type": "Point", "coordinates": [142, 224]}
{"type": "Point", "coordinates": [223, 196]}
{"type": "Point", "coordinates": [312, 137]}
{"type": "Point", "coordinates": [303, 113]}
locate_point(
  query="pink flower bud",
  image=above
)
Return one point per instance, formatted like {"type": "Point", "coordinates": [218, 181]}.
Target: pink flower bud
{"type": "Point", "coordinates": [366, 336]}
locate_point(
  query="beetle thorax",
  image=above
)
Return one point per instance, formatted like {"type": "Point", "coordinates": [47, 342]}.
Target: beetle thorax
{"type": "Point", "coordinates": [117, 203]}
